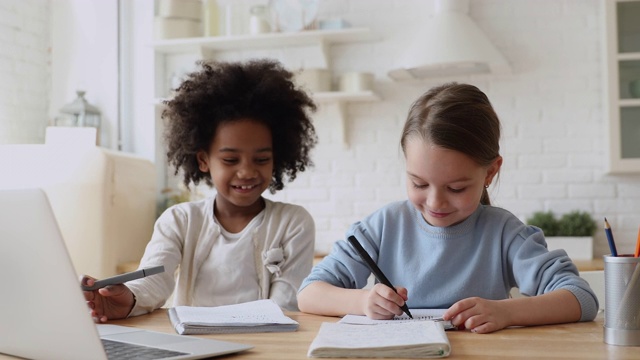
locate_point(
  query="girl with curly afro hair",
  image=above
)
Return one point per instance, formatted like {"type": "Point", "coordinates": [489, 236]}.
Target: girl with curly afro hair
{"type": "Point", "coordinates": [242, 128]}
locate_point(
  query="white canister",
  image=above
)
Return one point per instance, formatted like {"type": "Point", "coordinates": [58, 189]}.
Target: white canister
{"type": "Point", "coordinates": [356, 82]}
{"type": "Point", "coordinates": [259, 20]}
{"type": "Point", "coordinates": [211, 18]}
{"type": "Point", "coordinates": [183, 9]}
{"type": "Point", "coordinates": [172, 28]}
{"type": "Point", "coordinates": [315, 80]}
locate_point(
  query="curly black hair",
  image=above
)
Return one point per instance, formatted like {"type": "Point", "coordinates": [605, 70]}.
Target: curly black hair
{"type": "Point", "coordinates": [219, 92]}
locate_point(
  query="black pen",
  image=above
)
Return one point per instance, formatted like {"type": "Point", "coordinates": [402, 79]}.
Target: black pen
{"type": "Point", "coordinates": [122, 278]}
{"type": "Point", "coordinates": [375, 269]}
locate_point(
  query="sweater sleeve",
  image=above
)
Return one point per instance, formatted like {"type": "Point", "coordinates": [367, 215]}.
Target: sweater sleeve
{"type": "Point", "coordinates": [538, 271]}
{"type": "Point", "coordinates": [164, 248]}
{"type": "Point", "coordinates": [343, 267]}
{"type": "Point", "coordinates": [297, 258]}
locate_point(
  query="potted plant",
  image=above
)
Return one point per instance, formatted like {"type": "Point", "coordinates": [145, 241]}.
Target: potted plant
{"type": "Point", "coordinates": [573, 232]}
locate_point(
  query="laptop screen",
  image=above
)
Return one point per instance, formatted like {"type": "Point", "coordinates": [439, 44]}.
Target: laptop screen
{"type": "Point", "coordinates": [43, 310]}
{"type": "Point", "coordinates": [43, 313]}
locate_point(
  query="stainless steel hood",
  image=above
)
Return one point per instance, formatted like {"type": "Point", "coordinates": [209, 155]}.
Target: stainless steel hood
{"type": "Point", "coordinates": [449, 44]}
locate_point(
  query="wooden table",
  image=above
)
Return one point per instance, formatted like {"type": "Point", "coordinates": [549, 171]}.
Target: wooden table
{"type": "Point", "coordinates": [565, 341]}
{"type": "Point", "coordinates": [589, 265]}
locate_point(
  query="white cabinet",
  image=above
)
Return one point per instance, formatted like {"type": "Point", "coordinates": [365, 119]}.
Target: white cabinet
{"type": "Point", "coordinates": [622, 54]}
{"type": "Point", "coordinates": [171, 51]}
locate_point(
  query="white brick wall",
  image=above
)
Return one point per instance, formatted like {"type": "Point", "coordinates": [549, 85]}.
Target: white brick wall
{"type": "Point", "coordinates": [554, 127]}
{"type": "Point", "coordinates": [25, 73]}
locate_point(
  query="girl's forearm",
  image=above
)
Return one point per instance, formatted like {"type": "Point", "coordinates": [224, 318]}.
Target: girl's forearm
{"type": "Point", "coordinates": [325, 299]}
{"type": "Point", "coordinates": [559, 306]}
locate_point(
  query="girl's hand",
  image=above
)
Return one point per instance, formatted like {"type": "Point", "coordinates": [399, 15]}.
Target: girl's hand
{"type": "Point", "coordinates": [108, 303]}
{"type": "Point", "coordinates": [478, 315]}
{"type": "Point", "coordinates": [381, 302]}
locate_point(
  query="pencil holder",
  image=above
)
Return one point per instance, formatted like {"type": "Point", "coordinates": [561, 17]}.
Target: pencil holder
{"type": "Point", "coordinates": [622, 300]}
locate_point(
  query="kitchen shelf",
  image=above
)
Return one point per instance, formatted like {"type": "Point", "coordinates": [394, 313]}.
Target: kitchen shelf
{"type": "Point", "coordinates": [334, 102]}
{"type": "Point", "coordinates": [341, 96]}
{"type": "Point", "coordinates": [629, 102]}
{"type": "Point", "coordinates": [325, 97]}
{"type": "Point", "coordinates": [262, 41]}
{"type": "Point", "coordinates": [629, 56]}
{"type": "Point", "coordinates": [205, 48]}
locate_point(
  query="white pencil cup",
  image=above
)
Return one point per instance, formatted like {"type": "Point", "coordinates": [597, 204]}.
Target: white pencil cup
{"type": "Point", "coordinates": [622, 300]}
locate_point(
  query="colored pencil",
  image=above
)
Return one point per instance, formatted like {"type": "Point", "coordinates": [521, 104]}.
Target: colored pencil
{"type": "Point", "coordinates": [612, 244]}
{"type": "Point", "coordinates": [637, 253]}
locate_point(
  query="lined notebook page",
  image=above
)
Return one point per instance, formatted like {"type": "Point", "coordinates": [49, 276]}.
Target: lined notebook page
{"type": "Point", "coordinates": [418, 314]}
{"type": "Point", "coordinates": [249, 313]}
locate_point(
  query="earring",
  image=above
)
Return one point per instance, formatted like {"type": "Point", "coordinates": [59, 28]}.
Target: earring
{"type": "Point", "coordinates": [487, 186]}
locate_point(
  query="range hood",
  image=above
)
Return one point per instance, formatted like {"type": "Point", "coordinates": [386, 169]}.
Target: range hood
{"type": "Point", "coordinates": [449, 44]}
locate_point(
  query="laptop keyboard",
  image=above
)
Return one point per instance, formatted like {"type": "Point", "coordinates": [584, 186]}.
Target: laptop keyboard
{"type": "Point", "coordinates": [123, 351]}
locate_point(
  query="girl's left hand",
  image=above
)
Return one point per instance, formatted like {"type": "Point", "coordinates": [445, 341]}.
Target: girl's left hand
{"type": "Point", "coordinates": [478, 315]}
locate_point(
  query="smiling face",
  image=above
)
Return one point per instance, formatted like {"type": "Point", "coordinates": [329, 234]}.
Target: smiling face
{"type": "Point", "coordinates": [445, 185]}
{"type": "Point", "coordinates": [240, 161]}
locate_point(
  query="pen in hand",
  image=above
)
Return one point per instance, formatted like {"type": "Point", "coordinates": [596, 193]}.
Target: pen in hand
{"type": "Point", "coordinates": [122, 278]}
{"type": "Point", "coordinates": [375, 269]}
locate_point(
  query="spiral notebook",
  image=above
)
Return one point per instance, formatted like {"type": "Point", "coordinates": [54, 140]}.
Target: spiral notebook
{"type": "Point", "coordinates": [418, 315]}
{"type": "Point", "coordinates": [253, 316]}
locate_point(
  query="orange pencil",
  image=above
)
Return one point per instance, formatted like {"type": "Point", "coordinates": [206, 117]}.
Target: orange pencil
{"type": "Point", "coordinates": [637, 253]}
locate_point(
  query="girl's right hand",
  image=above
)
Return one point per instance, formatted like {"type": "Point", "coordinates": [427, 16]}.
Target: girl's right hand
{"type": "Point", "coordinates": [382, 302]}
{"type": "Point", "coordinates": [108, 303]}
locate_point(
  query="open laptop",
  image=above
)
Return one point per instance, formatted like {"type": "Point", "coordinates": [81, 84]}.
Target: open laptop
{"type": "Point", "coordinates": [43, 314]}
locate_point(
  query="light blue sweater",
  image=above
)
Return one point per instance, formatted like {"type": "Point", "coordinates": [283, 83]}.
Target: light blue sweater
{"type": "Point", "coordinates": [486, 255]}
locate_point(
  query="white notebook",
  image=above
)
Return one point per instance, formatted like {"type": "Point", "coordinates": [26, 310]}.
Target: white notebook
{"type": "Point", "coordinates": [411, 339]}
{"type": "Point", "coordinates": [253, 316]}
{"type": "Point", "coordinates": [418, 315]}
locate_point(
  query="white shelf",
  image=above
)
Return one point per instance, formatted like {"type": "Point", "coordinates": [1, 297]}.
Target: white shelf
{"type": "Point", "coordinates": [325, 97]}
{"type": "Point", "coordinates": [629, 56]}
{"type": "Point", "coordinates": [333, 101]}
{"type": "Point", "coordinates": [262, 41]}
{"type": "Point", "coordinates": [340, 96]}
{"type": "Point", "coordinates": [629, 102]}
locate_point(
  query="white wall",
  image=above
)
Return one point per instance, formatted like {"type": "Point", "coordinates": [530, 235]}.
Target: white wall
{"type": "Point", "coordinates": [25, 72]}
{"type": "Point", "coordinates": [48, 50]}
{"type": "Point", "coordinates": [84, 45]}
{"type": "Point", "coordinates": [551, 106]}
